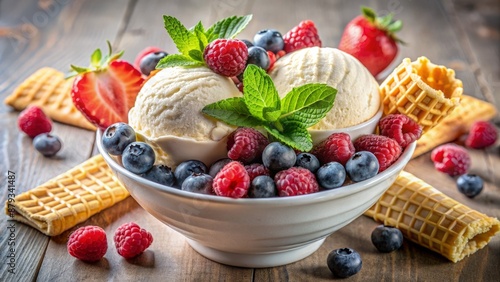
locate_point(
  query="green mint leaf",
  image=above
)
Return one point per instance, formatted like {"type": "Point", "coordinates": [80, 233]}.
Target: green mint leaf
{"type": "Point", "coordinates": [228, 27]}
{"type": "Point", "coordinates": [307, 104]}
{"type": "Point", "coordinates": [232, 111]}
{"type": "Point", "coordinates": [184, 40]}
{"type": "Point", "coordinates": [174, 60]}
{"type": "Point", "coordinates": [293, 134]}
{"type": "Point", "coordinates": [95, 58]}
{"type": "Point", "coordinates": [199, 31]}
{"type": "Point", "coordinates": [261, 96]}
{"type": "Point", "coordinates": [196, 55]}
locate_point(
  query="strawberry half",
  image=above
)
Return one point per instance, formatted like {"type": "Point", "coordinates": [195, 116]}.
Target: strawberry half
{"type": "Point", "coordinates": [371, 40]}
{"type": "Point", "coordinates": [106, 91]}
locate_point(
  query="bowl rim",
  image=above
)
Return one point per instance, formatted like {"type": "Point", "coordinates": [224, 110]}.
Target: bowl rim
{"type": "Point", "coordinates": [323, 195]}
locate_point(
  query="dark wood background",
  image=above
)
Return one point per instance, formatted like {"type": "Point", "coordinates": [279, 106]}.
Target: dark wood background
{"type": "Point", "coordinates": [462, 34]}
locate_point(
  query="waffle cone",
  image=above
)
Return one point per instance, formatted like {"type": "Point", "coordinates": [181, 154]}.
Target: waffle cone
{"type": "Point", "coordinates": [69, 198]}
{"type": "Point", "coordinates": [421, 90]}
{"type": "Point", "coordinates": [433, 220]}
{"type": "Point", "coordinates": [48, 89]}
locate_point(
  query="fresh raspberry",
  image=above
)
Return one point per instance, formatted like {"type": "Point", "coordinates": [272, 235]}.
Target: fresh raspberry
{"type": "Point", "coordinates": [246, 145]}
{"type": "Point", "coordinates": [226, 57]}
{"type": "Point", "coordinates": [295, 181]}
{"type": "Point", "coordinates": [336, 148]}
{"type": "Point", "coordinates": [131, 240]}
{"type": "Point", "coordinates": [256, 169]}
{"type": "Point", "coordinates": [88, 243]}
{"type": "Point", "coordinates": [143, 53]}
{"type": "Point", "coordinates": [400, 128]}
{"type": "Point", "coordinates": [232, 181]}
{"type": "Point", "coordinates": [33, 121]}
{"type": "Point", "coordinates": [451, 159]}
{"type": "Point", "coordinates": [386, 149]}
{"type": "Point", "coordinates": [280, 54]}
{"type": "Point", "coordinates": [302, 36]}
{"type": "Point", "coordinates": [482, 134]}
{"type": "Point", "coordinates": [272, 60]}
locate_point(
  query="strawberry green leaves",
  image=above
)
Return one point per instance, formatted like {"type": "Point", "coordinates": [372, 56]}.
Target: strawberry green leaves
{"type": "Point", "coordinates": [285, 119]}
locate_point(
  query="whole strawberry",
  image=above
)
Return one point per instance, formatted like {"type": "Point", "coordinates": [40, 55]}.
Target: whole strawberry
{"type": "Point", "coordinates": [88, 243]}
{"type": "Point", "coordinates": [371, 40]}
{"type": "Point", "coordinates": [226, 57]}
{"type": "Point", "coordinates": [33, 121]}
{"type": "Point", "coordinates": [131, 240]}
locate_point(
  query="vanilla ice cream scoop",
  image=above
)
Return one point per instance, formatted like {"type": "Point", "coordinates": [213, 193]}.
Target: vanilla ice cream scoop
{"type": "Point", "coordinates": [358, 97]}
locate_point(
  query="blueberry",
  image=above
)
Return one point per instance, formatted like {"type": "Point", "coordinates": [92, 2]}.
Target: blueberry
{"type": "Point", "coordinates": [198, 183]}
{"type": "Point", "coordinates": [308, 161]}
{"type": "Point", "coordinates": [217, 166]}
{"type": "Point", "coordinates": [470, 185]}
{"type": "Point", "coordinates": [148, 63]}
{"type": "Point", "coordinates": [277, 156]}
{"type": "Point", "coordinates": [160, 174]}
{"type": "Point", "coordinates": [269, 39]}
{"type": "Point", "coordinates": [262, 186]}
{"type": "Point", "coordinates": [138, 157]}
{"type": "Point", "coordinates": [247, 42]}
{"type": "Point", "coordinates": [331, 175]}
{"type": "Point", "coordinates": [116, 137]}
{"type": "Point", "coordinates": [47, 144]}
{"type": "Point", "coordinates": [258, 56]}
{"type": "Point", "coordinates": [387, 239]}
{"type": "Point", "coordinates": [361, 166]}
{"type": "Point", "coordinates": [344, 262]}
{"type": "Point", "coordinates": [187, 168]}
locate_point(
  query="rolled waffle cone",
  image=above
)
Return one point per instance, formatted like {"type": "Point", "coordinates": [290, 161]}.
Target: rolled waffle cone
{"type": "Point", "coordinates": [69, 198]}
{"type": "Point", "coordinates": [433, 220]}
{"type": "Point", "coordinates": [48, 89]}
{"type": "Point", "coordinates": [421, 90]}
{"type": "Point", "coordinates": [455, 124]}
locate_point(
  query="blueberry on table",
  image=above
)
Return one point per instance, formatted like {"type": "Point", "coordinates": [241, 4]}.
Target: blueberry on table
{"type": "Point", "coordinates": [160, 174]}
{"type": "Point", "coordinates": [138, 157]}
{"type": "Point", "coordinates": [262, 186]}
{"type": "Point", "coordinates": [470, 185]}
{"type": "Point", "coordinates": [198, 183]}
{"type": "Point", "coordinates": [148, 63]}
{"type": "Point", "coordinates": [270, 40]}
{"type": "Point", "coordinates": [117, 137]}
{"type": "Point", "coordinates": [278, 156]}
{"type": "Point", "coordinates": [331, 175]}
{"type": "Point", "coordinates": [361, 166]}
{"type": "Point", "coordinates": [386, 238]}
{"type": "Point", "coordinates": [344, 262]}
{"type": "Point", "coordinates": [308, 161]}
{"type": "Point", "coordinates": [47, 144]}
{"type": "Point", "coordinates": [186, 168]}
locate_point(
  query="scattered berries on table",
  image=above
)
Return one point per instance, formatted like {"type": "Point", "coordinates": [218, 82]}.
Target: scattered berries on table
{"type": "Point", "coordinates": [386, 149]}
{"type": "Point", "coordinates": [400, 128]}
{"type": "Point", "coordinates": [198, 183]}
{"type": "Point", "coordinates": [278, 156]}
{"type": "Point", "coordinates": [138, 157]}
{"type": "Point", "coordinates": [262, 186]}
{"type": "Point", "coordinates": [88, 243]}
{"type": "Point", "coordinates": [481, 135]}
{"type": "Point", "coordinates": [117, 137]}
{"type": "Point", "coordinates": [344, 262]}
{"type": "Point", "coordinates": [33, 121]}
{"type": "Point", "coordinates": [307, 160]}
{"type": "Point", "coordinates": [47, 144]}
{"type": "Point", "coordinates": [362, 165]}
{"type": "Point", "coordinates": [386, 238]}
{"type": "Point", "coordinates": [269, 39]}
{"type": "Point", "coordinates": [256, 169]}
{"type": "Point", "coordinates": [331, 175]}
{"type": "Point", "coordinates": [187, 168]}
{"type": "Point", "coordinates": [295, 181]}
{"type": "Point", "coordinates": [148, 63]}
{"type": "Point", "coordinates": [232, 181]}
{"type": "Point", "coordinates": [338, 147]}
{"type": "Point", "coordinates": [143, 53]}
{"type": "Point", "coordinates": [160, 174]}
{"type": "Point", "coordinates": [302, 36]}
{"type": "Point", "coordinates": [246, 144]}
{"type": "Point", "coordinates": [218, 165]}
{"type": "Point", "coordinates": [131, 240]}
{"type": "Point", "coordinates": [470, 185]}
{"type": "Point", "coordinates": [451, 159]}
{"type": "Point", "coordinates": [226, 57]}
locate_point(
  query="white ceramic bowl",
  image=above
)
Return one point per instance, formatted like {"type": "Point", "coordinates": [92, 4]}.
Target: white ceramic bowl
{"type": "Point", "coordinates": [256, 232]}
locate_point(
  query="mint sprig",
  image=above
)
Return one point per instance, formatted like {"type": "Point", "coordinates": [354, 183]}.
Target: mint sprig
{"type": "Point", "coordinates": [192, 42]}
{"type": "Point", "coordinates": [284, 119]}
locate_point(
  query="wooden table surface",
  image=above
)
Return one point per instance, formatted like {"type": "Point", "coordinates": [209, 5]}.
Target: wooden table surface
{"type": "Point", "coordinates": [462, 34]}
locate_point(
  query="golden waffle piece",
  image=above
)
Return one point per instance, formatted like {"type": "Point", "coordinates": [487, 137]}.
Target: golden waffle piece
{"type": "Point", "coordinates": [421, 90]}
{"type": "Point", "coordinates": [455, 124]}
{"type": "Point", "coordinates": [69, 198]}
{"type": "Point", "coordinates": [433, 220]}
{"type": "Point", "coordinates": [48, 89]}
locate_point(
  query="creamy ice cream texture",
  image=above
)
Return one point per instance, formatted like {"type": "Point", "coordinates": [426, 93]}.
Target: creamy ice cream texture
{"type": "Point", "coordinates": [358, 97]}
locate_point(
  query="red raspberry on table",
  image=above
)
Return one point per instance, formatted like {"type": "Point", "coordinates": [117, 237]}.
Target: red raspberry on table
{"type": "Point", "coordinates": [146, 51]}
{"type": "Point", "coordinates": [481, 135]}
{"type": "Point", "coordinates": [336, 148]}
{"type": "Point", "coordinates": [226, 57]}
{"type": "Point", "coordinates": [386, 149]}
{"type": "Point", "coordinates": [33, 121]}
{"type": "Point", "coordinates": [400, 128]}
{"type": "Point", "coordinates": [232, 181]}
{"type": "Point", "coordinates": [246, 144]}
{"type": "Point", "coordinates": [451, 159]}
{"type": "Point", "coordinates": [88, 243]}
{"type": "Point", "coordinates": [131, 240]}
{"type": "Point", "coordinates": [295, 181]}
{"type": "Point", "coordinates": [302, 36]}
{"type": "Point", "coordinates": [256, 169]}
